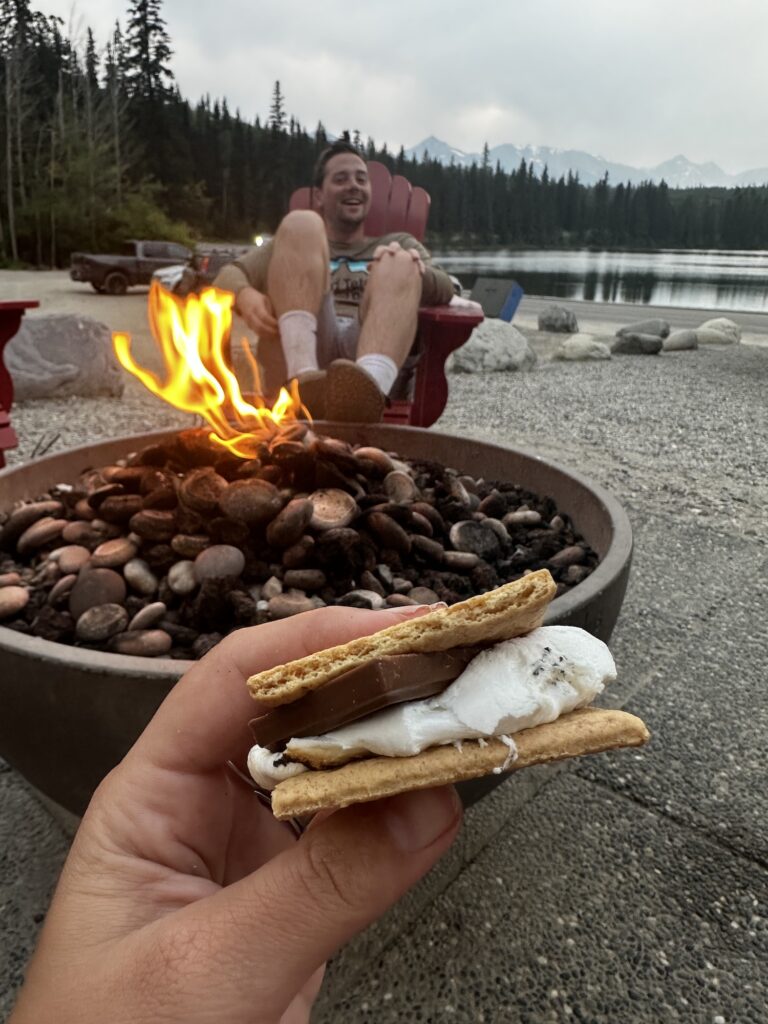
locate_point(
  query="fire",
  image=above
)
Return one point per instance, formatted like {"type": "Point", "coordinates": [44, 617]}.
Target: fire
{"type": "Point", "coordinates": [192, 333]}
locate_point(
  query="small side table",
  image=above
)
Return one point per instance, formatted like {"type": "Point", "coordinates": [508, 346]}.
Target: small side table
{"type": "Point", "coordinates": [10, 319]}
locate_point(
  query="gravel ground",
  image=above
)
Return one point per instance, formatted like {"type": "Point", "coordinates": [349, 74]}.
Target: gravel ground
{"type": "Point", "coordinates": [699, 419]}
{"type": "Point", "coordinates": [629, 887]}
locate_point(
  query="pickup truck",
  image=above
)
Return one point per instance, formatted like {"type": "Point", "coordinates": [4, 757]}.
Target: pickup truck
{"type": "Point", "coordinates": [114, 274]}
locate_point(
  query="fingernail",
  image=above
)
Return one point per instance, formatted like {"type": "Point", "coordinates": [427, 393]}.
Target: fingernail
{"type": "Point", "coordinates": [420, 609]}
{"type": "Point", "coordinates": [416, 819]}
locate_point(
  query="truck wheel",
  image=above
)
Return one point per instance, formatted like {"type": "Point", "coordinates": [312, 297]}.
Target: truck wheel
{"type": "Point", "coordinates": [97, 287]}
{"type": "Point", "coordinates": [116, 283]}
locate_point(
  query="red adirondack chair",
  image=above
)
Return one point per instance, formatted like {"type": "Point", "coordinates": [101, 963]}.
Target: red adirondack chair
{"type": "Point", "coordinates": [397, 206]}
{"type": "Point", "coordinates": [10, 318]}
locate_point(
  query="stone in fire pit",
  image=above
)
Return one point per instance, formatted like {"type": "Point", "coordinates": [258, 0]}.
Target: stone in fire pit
{"type": "Point", "coordinates": [182, 542]}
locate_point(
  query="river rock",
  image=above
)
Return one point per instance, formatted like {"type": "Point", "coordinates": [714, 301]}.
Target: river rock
{"type": "Point", "coordinates": [39, 534]}
{"type": "Point", "coordinates": [477, 538]}
{"type": "Point", "coordinates": [572, 555]}
{"type": "Point", "coordinates": [332, 509]}
{"type": "Point", "coordinates": [271, 588]}
{"type": "Point", "coordinates": [680, 341]}
{"type": "Point", "coordinates": [559, 320]}
{"type": "Point", "coordinates": [460, 561]}
{"type": "Point", "coordinates": [182, 578]}
{"type": "Point", "coordinates": [218, 561]}
{"type": "Point", "coordinates": [362, 599]}
{"type": "Point", "coordinates": [493, 347]}
{"type": "Point", "coordinates": [723, 325]}
{"type": "Point", "coordinates": [637, 345]}
{"type": "Point", "coordinates": [62, 588]}
{"type": "Point", "coordinates": [142, 643]}
{"type": "Point", "coordinates": [96, 587]}
{"type": "Point", "coordinates": [60, 356]}
{"type": "Point", "coordinates": [79, 533]}
{"type": "Point", "coordinates": [655, 326]}
{"type": "Point", "coordinates": [252, 502]}
{"type": "Point", "coordinates": [153, 524]}
{"type": "Point", "coordinates": [12, 601]}
{"type": "Point", "coordinates": [72, 558]}
{"type": "Point", "coordinates": [582, 347]}
{"type": "Point", "coordinates": [289, 525]}
{"type": "Point", "coordinates": [380, 459]}
{"type": "Point", "coordinates": [201, 489]}
{"type": "Point", "coordinates": [400, 486]}
{"type": "Point", "coordinates": [522, 517]}
{"type": "Point", "coordinates": [140, 577]}
{"type": "Point", "coordinates": [113, 553]}
{"type": "Point", "coordinates": [10, 579]}
{"type": "Point", "coordinates": [304, 579]}
{"type": "Point", "coordinates": [189, 545]}
{"type": "Point", "coordinates": [389, 533]}
{"type": "Point", "coordinates": [283, 606]}
{"type": "Point", "coordinates": [428, 548]}
{"type": "Point", "coordinates": [147, 616]}
{"type": "Point", "coordinates": [424, 595]}
{"type": "Point", "coordinates": [101, 622]}
{"type": "Point", "coordinates": [22, 518]}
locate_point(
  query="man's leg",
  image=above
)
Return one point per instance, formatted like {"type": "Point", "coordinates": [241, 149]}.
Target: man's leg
{"type": "Point", "coordinates": [389, 314]}
{"type": "Point", "coordinates": [297, 280]}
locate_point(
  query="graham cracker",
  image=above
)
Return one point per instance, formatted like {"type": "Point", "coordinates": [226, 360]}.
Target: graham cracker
{"type": "Point", "coordinates": [586, 731]}
{"type": "Point", "coordinates": [501, 614]}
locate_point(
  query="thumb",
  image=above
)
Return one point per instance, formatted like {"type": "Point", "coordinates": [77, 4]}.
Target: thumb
{"type": "Point", "coordinates": [284, 920]}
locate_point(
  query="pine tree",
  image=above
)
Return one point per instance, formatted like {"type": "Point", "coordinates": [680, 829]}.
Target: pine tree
{"type": "Point", "coordinates": [148, 44]}
{"type": "Point", "coordinates": [277, 120]}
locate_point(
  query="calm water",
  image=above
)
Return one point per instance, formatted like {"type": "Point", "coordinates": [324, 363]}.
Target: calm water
{"type": "Point", "coordinates": [713, 279]}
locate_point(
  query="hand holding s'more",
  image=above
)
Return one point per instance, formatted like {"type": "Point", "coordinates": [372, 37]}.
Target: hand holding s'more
{"type": "Point", "coordinates": [461, 692]}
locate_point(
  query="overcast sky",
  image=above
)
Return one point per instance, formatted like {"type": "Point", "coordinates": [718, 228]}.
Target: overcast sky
{"type": "Point", "coordinates": [634, 82]}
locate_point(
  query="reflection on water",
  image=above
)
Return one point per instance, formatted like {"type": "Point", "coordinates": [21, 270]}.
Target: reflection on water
{"type": "Point", "coordinates": [718, 279]}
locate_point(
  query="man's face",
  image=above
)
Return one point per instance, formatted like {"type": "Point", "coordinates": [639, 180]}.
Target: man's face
{"type": "Point", "coordinates": [344, 197]}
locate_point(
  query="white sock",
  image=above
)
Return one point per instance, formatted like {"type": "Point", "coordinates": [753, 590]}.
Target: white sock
{"type": "Point", "coordinates": [381, 368]}
{"type": "Point", "coordinates": [298, 336]}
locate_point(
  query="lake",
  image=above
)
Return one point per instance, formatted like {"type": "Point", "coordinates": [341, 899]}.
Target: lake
{"type": "Point", "coordinates": [706, 279]}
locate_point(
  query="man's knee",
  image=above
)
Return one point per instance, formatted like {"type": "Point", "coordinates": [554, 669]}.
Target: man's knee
{"type": "Point", "coordinates": [398, 270]}
{"type": "Point", "coordinates": [302, 227]}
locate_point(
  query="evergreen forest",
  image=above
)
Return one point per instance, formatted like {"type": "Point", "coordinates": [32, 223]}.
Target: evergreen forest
{"type": "Point", "coordinates": [97, 145]}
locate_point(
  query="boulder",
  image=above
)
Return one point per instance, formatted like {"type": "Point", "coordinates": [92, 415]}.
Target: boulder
{"type": "Point", "coordinates": [637, 345]}
{"type": "Point", "coordinates": [679, 341]}
{"type": "Point", "coordinates": [655, 326]}
{"type": "Point", "coordinates": [723, 325]}
{"type": "Point", "coordinates": [559, 320]}
{"type": "Point", "coordinates": [711, 336]}
{"type": "Point", "coordinates": [494, 347]}
{"type": "Point", "coordinates": [61, 356]}
{"type": "Point", "coordinates": [582, 347]}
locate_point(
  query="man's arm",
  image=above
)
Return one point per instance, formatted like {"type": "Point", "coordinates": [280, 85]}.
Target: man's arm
{"type": "Point", "coordinates": [250, 271]}
{"type": "Point", "coordinates": [246, 278]}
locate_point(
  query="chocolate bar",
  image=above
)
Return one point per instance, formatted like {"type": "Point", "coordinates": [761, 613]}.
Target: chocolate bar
{"type": "Point", "coordinates": [370, 687]}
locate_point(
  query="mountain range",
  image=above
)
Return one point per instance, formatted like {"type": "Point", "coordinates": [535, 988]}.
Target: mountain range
{"type": "Point", "coordinates": [679, 172]}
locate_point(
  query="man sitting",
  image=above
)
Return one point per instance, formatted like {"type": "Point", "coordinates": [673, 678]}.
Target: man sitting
{"type": "Point", "coordinates": [332, 308]}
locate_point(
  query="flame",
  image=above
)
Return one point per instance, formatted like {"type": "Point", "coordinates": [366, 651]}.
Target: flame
{"type": "Point", "coordinates": [191, 334]}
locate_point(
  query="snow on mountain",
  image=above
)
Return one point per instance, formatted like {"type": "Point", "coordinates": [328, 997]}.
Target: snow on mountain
{"type": "Point", "coordinates": [679, 172]}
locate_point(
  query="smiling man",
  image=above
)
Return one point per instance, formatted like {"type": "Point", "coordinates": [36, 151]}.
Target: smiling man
{"type": "Point", "coordinates": [333, 308]}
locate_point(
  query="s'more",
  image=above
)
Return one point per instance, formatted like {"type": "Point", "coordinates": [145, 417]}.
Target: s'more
{"type": "Point", "coordinates": [480, 687]}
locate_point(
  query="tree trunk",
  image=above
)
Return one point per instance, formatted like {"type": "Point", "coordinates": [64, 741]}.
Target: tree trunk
{"type": "Point", "coordinates": [20, 59]}
{"type": "Point", "coordinates": [9, 157]}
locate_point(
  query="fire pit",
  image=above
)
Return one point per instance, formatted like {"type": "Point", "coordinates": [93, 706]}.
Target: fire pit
{"type": "Point", "coordinates": [70, 713]}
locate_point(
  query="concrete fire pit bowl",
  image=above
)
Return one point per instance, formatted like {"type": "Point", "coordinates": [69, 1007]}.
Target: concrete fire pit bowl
{"type": "Point", "coordinates": [69, 714]}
